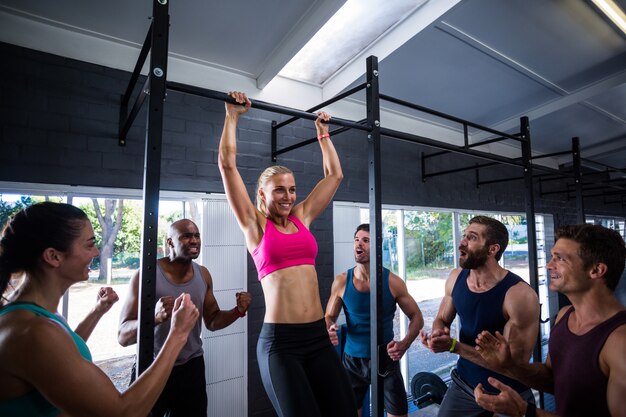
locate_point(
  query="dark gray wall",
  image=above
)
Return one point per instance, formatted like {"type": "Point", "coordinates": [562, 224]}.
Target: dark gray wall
{"type": "Point", "coordinates": [59, 123]}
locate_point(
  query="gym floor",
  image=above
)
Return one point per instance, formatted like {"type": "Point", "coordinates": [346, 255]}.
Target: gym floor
{"type": "Point", "coordinates": [430, 411]}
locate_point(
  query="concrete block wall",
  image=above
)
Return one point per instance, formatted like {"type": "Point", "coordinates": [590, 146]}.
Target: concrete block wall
{"type": "Point", "coordinates": [59, 124]}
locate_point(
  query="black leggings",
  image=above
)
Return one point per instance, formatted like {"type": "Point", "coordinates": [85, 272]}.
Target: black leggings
{"type": "Point", "coordinates": [302, 373]}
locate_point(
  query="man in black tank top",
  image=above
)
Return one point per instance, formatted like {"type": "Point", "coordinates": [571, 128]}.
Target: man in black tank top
{"type": "Point", "coordinates": [484, 296]}
{"type": "Point", "coordinates": [586, 366]}
{"type": "Point", "coordinates": [184, 394]}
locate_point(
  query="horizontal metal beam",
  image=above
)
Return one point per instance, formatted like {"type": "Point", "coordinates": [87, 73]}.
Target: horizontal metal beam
{"type": "Point", "coordinates": [500, 180]}
{"type": "Point", "coordinates": [464, 122]}
{"type": "Point", "coordinates": [304, 143]}
{"type": "Point", "coordinates": [261, 105]}
{"type": "Point", "coordinates": [452, 148]}
{"type": "Point", "coordinates": [454, 170]}
{"type": "Point", "coordinates": [325, 103]}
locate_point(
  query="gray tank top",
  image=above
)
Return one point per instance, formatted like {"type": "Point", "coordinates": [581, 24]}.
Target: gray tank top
{"type": "Point", "coordinates": [196, 287]}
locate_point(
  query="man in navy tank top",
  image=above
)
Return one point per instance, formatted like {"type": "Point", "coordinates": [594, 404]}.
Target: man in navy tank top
{"type": "Point", "coordinates": [586, 366]}
{"type": "Point", "coordinates": [351, 290]}
{"type": "Point", "coordinates": [184, 394]}
{"type": "Point", "coordinates": [485, 296]}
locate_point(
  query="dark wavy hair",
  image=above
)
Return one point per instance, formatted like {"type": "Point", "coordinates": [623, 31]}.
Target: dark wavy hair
{"type": "Point", "coordinates": [32, 230]}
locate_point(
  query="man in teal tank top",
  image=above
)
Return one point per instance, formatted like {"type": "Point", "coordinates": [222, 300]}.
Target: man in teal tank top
{"type": "Point", "coordinates": [351, 290]}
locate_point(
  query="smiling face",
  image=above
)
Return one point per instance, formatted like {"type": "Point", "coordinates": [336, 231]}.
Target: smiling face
{"type": "Point", "coordinates": [473, 247]}
{"type": "Point", "coordinates": [184, 240]}
{"type": "Point", "coordinates": [279, 194]}
{"type": "Point", "coordinates": [77, 260]}
{"type": "Point", "coordinates": [362, 247]}
{"type": "Point", "coordinates": [567, 272]}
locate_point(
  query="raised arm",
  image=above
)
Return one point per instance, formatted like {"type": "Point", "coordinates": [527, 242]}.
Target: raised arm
{"type": "Point", "coordinates": [216, 319]}
{"type": "Point", "coordinates": [236, 192]}
{"type": "Point", "coordinates": [45, 357]}
{"type": "Point", "coordinates": [409, 307]}
{"type": "Point", "coordinates": [319, 198]}
{"type": "Point", "coordinates": [333, 308]}
{"type": "Point", "coordinates": [106, 297]}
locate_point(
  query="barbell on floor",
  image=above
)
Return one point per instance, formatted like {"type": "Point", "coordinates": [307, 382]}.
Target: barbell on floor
{"type": "Point", "coordinates": [427, 388]}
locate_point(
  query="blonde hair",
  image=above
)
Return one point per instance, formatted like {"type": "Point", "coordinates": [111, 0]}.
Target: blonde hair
{"type": "Point", "coordinates": [264, 177]}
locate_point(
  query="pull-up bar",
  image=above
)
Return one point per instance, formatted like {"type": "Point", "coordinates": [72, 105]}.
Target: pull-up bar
{"type": "Point", "coordinates": [261, 105]}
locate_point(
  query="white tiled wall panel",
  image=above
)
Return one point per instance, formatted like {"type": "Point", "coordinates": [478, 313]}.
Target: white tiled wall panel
{"type": "Point", "coordinates": [225, 351]}
{"type": "Point", "coordinates": [227, 398]}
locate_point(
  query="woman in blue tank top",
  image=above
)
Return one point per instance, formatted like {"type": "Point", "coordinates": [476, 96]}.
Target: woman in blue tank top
{"type": "Point", "coordinates": [45, 367]}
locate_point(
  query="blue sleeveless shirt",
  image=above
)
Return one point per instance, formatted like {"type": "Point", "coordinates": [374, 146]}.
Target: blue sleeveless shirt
{"type": "Point", "coordinates": [356, 306]}
{"type": "Point", "coordinates": [34, 404]}
{"type": "Point", "coordinates": [478, 312]}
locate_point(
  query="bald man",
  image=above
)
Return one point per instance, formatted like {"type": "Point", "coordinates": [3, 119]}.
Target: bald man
{"type": "Point", "coordinates": [185, 391]}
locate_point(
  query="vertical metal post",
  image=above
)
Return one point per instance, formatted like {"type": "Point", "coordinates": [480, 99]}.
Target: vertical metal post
{"type": "Point", "coordinates": [376, 258]}
{"type": "Point", "coordinates": [530, 224]}
{"type": "Point", "coordinates": [580, 208]}
{"type": "Point", "coordinates": [152, 183]}
{"type": "Point", "coordinates": [274, 140]}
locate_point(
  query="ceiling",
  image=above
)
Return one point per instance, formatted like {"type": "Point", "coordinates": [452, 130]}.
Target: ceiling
{"type": "Point", "coordinates": [559, 62]}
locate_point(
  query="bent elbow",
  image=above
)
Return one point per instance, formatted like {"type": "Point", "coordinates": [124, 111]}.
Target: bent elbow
{"type": "Point", "coordinates": [226, 163]}
{"type": "Point", "coordinates": [122, 340]}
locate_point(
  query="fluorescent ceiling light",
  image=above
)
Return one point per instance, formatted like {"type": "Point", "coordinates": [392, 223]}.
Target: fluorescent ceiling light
{"type": "Point", "coordinates": [613, 12]}
{"type": "Point", "coordinates": [356, 25]}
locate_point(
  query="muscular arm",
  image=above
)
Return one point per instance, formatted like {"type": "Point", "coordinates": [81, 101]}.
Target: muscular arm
{"type": "Point", "coordinates": [214, 318]}
{"type": "Point", "coordinates": [333, 307]}
{"type": "Point", "coordinates": [439, 339]}
{"type": "Point", "coordinates": [613, 364]}
{"type": "Point", "coordinates": [521, 308]}
{"type": "Point", "coordinates": [499, 356]}
{"type": "Point", "coordinates": [44, 356]}
{"type": "Point", "coordinates": [127, 330]}
{"type": "Point", "coordinates": [236, 192]}
{"type": "Point", "coordinates": [446, 314]}
{"type": "Point", "coordinates": [409, 307]}
{"type": "Point", "coordinates": [319, 198]}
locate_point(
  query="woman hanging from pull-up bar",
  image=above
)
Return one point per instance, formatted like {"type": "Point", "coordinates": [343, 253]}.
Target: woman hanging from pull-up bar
{"type": "Point", "coordinates": [300, 369]}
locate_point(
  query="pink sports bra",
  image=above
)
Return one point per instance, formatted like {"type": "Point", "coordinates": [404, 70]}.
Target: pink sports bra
{"type": "Point", "coordinates": [279, 250]}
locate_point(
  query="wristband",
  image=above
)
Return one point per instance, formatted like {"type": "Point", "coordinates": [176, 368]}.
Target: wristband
{"type": "Point", "coordinates": [531, 410]}
{"type": "Point", "coordinates": [453, 345]}
{"type": "Point", "coordinates": [325, 135]}
{"type": "Point", "coordinates": [238, 313]}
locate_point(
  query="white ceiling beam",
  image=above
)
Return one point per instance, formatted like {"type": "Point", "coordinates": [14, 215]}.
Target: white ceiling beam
{"type": "Point", "coordinates": [391, 40]}
{"type": "Point", "coordinates": [302, 30]}
{"type": "Point", "coordinates": [576, 97]}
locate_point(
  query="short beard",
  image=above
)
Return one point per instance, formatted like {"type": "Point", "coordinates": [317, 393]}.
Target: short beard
{"type": "Point", "coordinates": [476, 259]}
